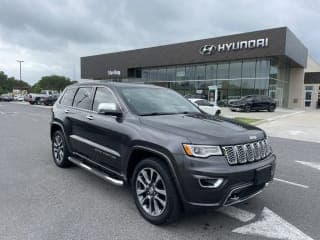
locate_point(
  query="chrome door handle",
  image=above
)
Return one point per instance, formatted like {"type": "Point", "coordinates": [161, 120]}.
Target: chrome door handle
{"type": "Point", "coordinates": [67, 111]}
{"type": "Point", "coordinates": [90, 117]}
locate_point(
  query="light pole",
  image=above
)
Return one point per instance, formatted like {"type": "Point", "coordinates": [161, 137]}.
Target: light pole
{"type": "Point", "coordinates": [20, 61]}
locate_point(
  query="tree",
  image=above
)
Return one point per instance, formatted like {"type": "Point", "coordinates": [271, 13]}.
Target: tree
{"type": "Point", "coordinates": [53, 82]}
{"type": "Point", "coordinates": [8, 84]}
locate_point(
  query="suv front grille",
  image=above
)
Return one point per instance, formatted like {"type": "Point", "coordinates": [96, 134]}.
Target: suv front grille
{"type": "Point", "coordinates": [246, 153]}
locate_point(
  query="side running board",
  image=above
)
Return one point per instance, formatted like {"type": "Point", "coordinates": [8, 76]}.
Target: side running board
{"type": "Point", "coordinates": [96, 172]}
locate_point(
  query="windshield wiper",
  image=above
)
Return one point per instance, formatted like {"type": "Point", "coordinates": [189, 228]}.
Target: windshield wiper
{"type": "Point", "coordinates": [157, 113]}
{"type": "Point", "coordinates": [186, 112]}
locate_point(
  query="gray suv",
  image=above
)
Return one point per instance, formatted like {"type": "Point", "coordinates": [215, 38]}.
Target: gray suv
{"type": "Point", "coordinates": [171, 154]}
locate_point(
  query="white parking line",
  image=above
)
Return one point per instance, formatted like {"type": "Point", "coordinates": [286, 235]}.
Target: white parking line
{"type": "Point", "coordinates": [291, 183]}
{"type": "Point", "coordinates": [271, 225]}
{"type": "Point", "coordinates": [237, 213]}
{"type": "Point", "coordinates": [310, 164]}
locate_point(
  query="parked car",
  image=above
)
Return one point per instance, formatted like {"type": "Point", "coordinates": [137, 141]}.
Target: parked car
{"type": "Point", "coordinates": [206, 106]}
{"type": "Point", "coordinates": [171, 154]}
{"type": "Point", "coordinates": [6, 98]}
{"type": "Point", "coordinates": [254, 103]}
{"type": "Point", "coordinates": [49, 100]}
{"type": "Point", "coordinates": [47, 97]}
{"type": "Point", "coordinates": [196, 95]}
{"type": "Point", "coordinates": [18, 98]}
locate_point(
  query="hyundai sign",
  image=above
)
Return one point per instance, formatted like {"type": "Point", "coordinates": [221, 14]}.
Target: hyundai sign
{"type": "Point", "coordinates": [234, 46]}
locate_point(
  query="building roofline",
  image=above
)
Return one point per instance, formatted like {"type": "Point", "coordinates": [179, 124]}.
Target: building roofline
{"type": "Point", "coordinates": [192, 41]}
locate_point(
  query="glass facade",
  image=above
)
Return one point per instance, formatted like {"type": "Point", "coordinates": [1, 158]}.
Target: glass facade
{"type": "Point", "coordinates": [234, 79]}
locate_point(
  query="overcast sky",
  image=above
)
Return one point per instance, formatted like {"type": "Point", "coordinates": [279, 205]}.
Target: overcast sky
{"type": "Point", "coordinates": [51, 36]}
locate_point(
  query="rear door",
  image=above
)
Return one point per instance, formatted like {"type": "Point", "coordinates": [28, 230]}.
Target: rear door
{"type": "Point", "coordinates": [80, 116]}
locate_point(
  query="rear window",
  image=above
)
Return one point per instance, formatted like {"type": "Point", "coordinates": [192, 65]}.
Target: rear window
{"type": "Point", "coordinates": [68, 97]}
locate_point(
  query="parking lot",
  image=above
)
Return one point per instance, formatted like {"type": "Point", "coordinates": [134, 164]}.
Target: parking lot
{"type": "Point", "coordinates": [40, 201]}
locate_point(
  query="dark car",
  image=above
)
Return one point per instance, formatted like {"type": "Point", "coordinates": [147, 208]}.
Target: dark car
{"type": "Point", "coordinates": [6, 98]}
{"type": "Point", "coordinates": [253, 103]}
{"type": "Point", "coordinates": [49, 100]}
{"type": "Point", "coordinates": [171, 154]}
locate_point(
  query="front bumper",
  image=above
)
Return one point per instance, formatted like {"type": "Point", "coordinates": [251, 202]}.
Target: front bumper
{"type": "Point", "coordinates": [239, 182]}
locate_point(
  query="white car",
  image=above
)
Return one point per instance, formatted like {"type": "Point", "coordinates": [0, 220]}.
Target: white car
{"type": "Point", "coordinates": [18, 98]}
{"type": "Point", "coordinates": [206, 106]}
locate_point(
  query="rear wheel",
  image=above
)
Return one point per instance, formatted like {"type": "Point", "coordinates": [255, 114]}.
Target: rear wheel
{"type": "Point", "coordinates": [154, 192]}
{"type": "Point", "coordinates": [59, 150]}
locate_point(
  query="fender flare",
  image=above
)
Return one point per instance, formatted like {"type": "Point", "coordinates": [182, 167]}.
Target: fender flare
{"type": "Point", "coordinates": [167, 160]}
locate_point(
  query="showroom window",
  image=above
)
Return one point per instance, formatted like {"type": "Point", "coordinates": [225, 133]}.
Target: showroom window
{"type": "Point", "coordinates": [248, 77]}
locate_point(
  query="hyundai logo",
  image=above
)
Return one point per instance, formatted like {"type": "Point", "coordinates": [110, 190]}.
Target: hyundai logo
{"type": "Point", "coordinates": [207, 49]}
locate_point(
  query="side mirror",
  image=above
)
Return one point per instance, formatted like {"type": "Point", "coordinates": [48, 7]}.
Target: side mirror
{"type": "Point", "coordinates": [109, 109]}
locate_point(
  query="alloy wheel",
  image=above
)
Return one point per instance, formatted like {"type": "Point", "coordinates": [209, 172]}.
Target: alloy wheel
{"type": "Point", "coordinates": [58, 148]}
{"type": "Point", "coordinates": [151, 191]}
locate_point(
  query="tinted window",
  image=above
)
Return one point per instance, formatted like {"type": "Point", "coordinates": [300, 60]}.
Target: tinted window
{"type": "Point", "coordinates": [103, 95]}
{"type": "Point", "coordinates": [83, 98]}
{"type": "Point", "coordinates": [266, 98]}
{"type": "Point", "coordinates": [68, 97]}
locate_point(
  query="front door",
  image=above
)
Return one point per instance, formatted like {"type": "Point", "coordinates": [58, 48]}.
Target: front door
{"type": "Point", "coordinates": [107, 132]}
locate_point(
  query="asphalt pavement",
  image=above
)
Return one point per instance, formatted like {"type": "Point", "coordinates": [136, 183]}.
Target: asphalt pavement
{"type": "Point", "coordinates": [41, 201]}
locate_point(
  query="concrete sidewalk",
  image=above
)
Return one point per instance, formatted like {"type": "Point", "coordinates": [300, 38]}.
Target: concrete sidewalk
{"type": "Point", "coordinates": [303, 126]}
{"type": "Point", "coordinates": [263, 115]}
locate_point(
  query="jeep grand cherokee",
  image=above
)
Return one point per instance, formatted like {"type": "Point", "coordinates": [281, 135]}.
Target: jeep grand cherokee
{"type": "Point", "coordinates": [168, 151]}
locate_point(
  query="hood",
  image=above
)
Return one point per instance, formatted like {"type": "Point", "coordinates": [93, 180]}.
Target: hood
{"type": "Point", "coordinates": [204, 129]}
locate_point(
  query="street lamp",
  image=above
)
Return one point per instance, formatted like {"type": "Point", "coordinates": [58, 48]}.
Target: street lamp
{"type": "Point", "coordinates": [20, 61]}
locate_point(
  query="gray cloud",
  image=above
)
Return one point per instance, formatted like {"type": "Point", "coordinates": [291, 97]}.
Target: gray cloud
{"type": "Point", "coordinates": [52, 35]}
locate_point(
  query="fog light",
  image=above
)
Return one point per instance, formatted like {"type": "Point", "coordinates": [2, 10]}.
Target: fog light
{"type": "Point", "coordinates": [210, 182]}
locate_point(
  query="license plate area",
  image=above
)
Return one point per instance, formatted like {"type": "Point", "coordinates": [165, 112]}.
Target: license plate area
{"type": "Point", "coordinates": [262, 175]}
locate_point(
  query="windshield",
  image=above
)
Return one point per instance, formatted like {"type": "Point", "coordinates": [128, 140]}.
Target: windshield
{"type": "Point", "coordinates": [156, 101]}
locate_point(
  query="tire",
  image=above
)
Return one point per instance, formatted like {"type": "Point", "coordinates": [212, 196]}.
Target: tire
{"type": "Point", "coordinates": [247, 108]}
{"type": "Point", "coordinates": [60, 152]}
{"type": "Point", "coordinates": [31, 103]}
{"type": "Point", "coordinates": [155, 197]}
{"type": "Point", "coordinates": [271, 108]}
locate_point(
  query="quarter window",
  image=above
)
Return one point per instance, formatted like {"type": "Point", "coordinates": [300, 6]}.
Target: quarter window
{"type": "Point", "coordinates": [103, 95]}
{"type": "Point", "coordinates": [83, 98]}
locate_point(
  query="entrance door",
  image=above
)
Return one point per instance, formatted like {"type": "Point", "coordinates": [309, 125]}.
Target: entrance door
{"type": "Point", "coordinates": [308, 95]}
{"type": "Point", "coordinates": [213, 94]}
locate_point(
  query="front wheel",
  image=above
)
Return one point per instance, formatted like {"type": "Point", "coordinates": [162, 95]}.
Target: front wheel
{"type": "Point", "coordinates": [271, 108]}
{"type": "Point", "coordinates": [247, 108]}
{"type": "Point", "coordinates": [154, 192]}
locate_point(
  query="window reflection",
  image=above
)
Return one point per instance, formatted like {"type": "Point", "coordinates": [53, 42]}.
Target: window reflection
{"type": "Point", "coordinates": [234, 79]}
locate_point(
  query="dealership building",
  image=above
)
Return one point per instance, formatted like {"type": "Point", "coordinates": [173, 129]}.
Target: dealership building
{"type": "Point", "coordinates": [271, 62]}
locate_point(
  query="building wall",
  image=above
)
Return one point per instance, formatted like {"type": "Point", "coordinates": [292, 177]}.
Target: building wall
{"type": "Point", "coordinates": [296, 88]}
{"type": "Point", "coordinates": [312, 65]}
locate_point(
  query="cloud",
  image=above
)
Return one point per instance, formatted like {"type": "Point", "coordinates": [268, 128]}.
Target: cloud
{"type": "Point", "coordinates": [51, 36]}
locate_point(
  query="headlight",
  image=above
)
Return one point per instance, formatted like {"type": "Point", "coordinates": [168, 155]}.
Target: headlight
{"type": "Point", "coordinates": [202, 151]}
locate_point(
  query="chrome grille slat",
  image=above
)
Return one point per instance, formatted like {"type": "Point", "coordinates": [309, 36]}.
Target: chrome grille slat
{"type": "Point", "coordinates": [230, 154]}
{"type": "Point", "coordinates": [241, 154]}
{"type": "Point", "coordinates": [249, 152]}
